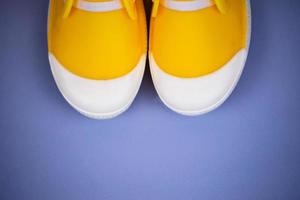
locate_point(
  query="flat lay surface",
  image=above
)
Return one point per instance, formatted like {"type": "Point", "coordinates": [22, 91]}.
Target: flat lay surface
{"type": "Point", "coordinates": [247, 149]}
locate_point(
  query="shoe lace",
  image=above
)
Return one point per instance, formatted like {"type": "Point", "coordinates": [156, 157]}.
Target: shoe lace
{"type": "Point", "coordinates": [128, 4]}
{"type": "Point", "coordinates": [222, 6]}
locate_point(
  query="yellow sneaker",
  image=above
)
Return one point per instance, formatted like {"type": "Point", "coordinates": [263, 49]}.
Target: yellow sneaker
{"type": "Point", "coordinates": [198, 49]}
{"type": "Point", "coordinates": [97, 52]}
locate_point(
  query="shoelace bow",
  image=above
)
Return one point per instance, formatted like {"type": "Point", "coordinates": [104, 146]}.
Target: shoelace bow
{"type": "Point", "coordinates": [128, 4]}
{"type": "Point", "coordinates": [221, 5]}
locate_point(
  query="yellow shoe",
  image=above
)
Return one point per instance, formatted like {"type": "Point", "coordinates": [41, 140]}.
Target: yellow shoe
{"type": "Point", "coordinates": [198, 49]}
{"type": "Point", "coordinates": [97, 52]}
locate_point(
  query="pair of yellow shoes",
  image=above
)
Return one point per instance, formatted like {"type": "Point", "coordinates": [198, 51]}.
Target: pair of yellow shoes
{"type": "Point", "coordinates": [98, 50]}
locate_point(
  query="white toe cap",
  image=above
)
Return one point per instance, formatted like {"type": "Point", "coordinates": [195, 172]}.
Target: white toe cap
{"type": "Point", "coordinates": [195, 96]}
{"type": "Point", "coordinates": [98, 98]}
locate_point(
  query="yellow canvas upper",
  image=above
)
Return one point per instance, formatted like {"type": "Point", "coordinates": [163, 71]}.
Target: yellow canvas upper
{"type": "Point", "coordinates": [196, 43]}
{"type": "Point", "coordinates": [97, 45]}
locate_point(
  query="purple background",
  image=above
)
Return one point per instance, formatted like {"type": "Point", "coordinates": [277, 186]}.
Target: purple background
{"type": "Point", "coordinates": [247, 149]}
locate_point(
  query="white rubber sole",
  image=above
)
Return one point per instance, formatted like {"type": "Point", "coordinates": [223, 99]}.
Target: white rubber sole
{"type": "Point", "coordinates": [98, 99]}
{"type": "Point", "coordinates": [196, 96]}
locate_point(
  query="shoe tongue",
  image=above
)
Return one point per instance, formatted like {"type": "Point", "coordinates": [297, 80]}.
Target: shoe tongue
{"type": "Point", "coordinates": [98, 5]}
{"type": "Point", "coordinates": [98, 0]}
{"type": "Point", "coordinates": [101, 6]}
{"type": "Point", "coordinates": [187, 5]}
{"type": "Point", "coordinates": [192, 5]}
